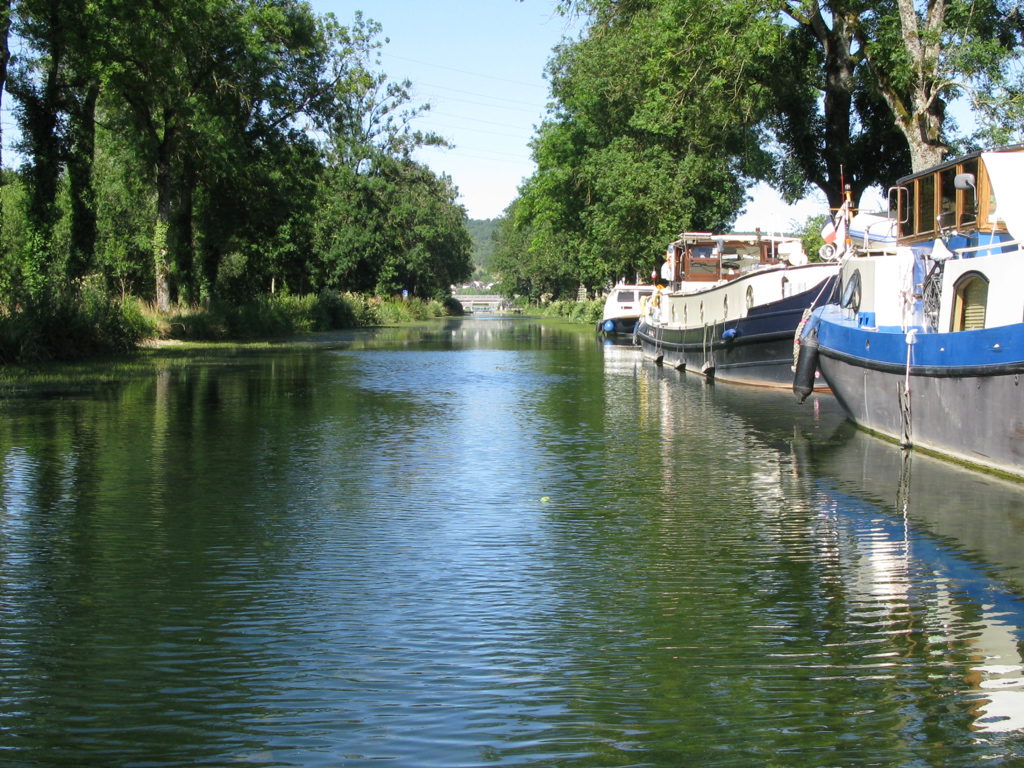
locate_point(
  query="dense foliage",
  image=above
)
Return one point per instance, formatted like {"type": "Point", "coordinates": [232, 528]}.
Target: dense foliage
{"type": "Point", "coordinates": [665, 111]}
{"type": "Point", "coordinates": [190, 152]}
{"type": "Point", "coordinates": [482, 233]}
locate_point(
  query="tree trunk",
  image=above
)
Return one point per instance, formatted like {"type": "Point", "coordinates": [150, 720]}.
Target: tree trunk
{"type": "Point", "coordinates": [179, 237]}
{"type": "Point", "coordinates": [919, 110]}
{"type": "Point", "coordinates": [826, 155]}
{"type": "Point", "coordinates": [838, 109]}
{"type": "Point", "coordinates": [83, 197]}
{"type": "Point", "coordinates": [39, 121]}
{"type": "Point", "coordinates": [161, 257]}
{"type": "Point", "coordinates": [5, 59]}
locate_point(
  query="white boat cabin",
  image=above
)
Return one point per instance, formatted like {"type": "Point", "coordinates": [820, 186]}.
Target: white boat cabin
{"type": "Point", "coordinates": [958, 263]}
{"type": "Point", "coordinates": [702, 257]}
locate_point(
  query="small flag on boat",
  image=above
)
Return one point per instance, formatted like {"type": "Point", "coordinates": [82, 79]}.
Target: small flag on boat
{"type": "Point", "coordinates": [834, 231]}
{"type": "Point", "coordinates": [828, 232]}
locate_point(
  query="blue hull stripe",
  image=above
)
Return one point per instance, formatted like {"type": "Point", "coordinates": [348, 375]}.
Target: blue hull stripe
{"type": "Point", "coordinates": [973, 353]}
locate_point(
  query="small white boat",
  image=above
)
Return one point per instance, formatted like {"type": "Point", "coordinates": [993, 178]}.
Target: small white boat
{"type": "Point", "coordinates": [622, 308]}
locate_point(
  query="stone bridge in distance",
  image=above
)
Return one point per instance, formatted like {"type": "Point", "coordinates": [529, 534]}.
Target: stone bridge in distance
{"type": "Point", "coordinates": [482, 302]}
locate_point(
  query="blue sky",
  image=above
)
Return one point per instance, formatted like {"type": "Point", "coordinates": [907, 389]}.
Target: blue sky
{"type": "Point", "coordinates": [480, 65]}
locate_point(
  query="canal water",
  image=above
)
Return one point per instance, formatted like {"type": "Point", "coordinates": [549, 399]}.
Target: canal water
{"type": "Point", "coordinates": [491, 541]}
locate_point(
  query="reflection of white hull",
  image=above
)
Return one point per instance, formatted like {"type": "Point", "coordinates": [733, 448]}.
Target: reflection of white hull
{"type": "Point", "coordinates": [976, 511]}
{"type": "Point", "coordinates": [926, 510]}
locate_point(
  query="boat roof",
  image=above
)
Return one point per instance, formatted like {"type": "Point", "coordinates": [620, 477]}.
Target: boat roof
{"type": "Point", "coordinates": [749, 238]}
{"type": "Point", "coordinates": [959, 159]}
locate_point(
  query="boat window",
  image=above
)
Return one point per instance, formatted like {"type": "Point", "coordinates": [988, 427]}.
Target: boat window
{"type": "Point", "coordinates": [926, 204]}
{"type": "Point", "coordinates": [750, 296]}
{"type": "Point", "coordinates": [971, 302]}
{"type": "Point", "coordinates": [645, 293]}
{"type": "Point", "coordinates": [969, 197]}
{"type": "Point", "coordinates": [993, 209]}
{"type": "Point", "coordinates": [704, 269]}
{"type": "Point", "coordinates": [625, 297]}
{"type": "Point", "coordinates": [947, 198]}
{"type": "Point", "coordinates": [906, 199]}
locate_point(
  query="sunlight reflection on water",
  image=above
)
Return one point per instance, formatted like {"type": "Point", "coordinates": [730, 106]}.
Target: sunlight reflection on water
{"type": "Point", "coordinates": [496, 543]}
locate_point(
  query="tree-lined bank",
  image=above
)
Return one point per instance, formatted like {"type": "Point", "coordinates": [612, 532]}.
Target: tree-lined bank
{"type": "Point", "coordinates": [666, 111]}
{"type": "Point", "coordinates": [213, 155]}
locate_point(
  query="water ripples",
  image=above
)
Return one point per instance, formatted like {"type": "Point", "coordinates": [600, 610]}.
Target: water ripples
{"type": "Point", "coordinates": [516, 555]}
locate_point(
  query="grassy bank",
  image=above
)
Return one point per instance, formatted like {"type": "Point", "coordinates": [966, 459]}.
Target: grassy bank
{"type": "Point", "coordinates": [84, 323]}
{"type": "Point", "coordinates": [584, 312]}
{"type": "Point", "coordinates": [279, 315]}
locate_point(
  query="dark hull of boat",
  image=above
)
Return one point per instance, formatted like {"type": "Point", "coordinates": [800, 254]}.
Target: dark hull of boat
{"type": "Point", "coordinates": [756, 349]}
{"type": "Point", "coordinates": [975, 418]}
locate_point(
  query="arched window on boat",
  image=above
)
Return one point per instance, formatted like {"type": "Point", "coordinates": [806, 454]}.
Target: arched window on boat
{"type": "Point", "coordinates": [971, 302]}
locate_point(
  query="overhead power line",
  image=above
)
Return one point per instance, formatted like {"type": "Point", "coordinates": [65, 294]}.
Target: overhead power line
{"type": "Point", "coordinates": [463, 71]}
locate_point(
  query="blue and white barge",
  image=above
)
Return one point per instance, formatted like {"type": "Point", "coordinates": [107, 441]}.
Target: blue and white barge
{"type": "Point", "coordinates": [924, 342]}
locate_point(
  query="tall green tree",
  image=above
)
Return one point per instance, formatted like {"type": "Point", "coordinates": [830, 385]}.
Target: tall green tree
{"type": "Point", "coordinates": [201, 82]}
{"type": "Point", "coordinates": [833, 128]}
{"type": "Point", "coordinates": [391, 226]}
{"type": "Point", "coordinates": [923, 55]}
{"type": "Point", "coordinates": [655, 130]}
{"type": "Point", "coordinates": [219, 149]}
{"type": "Point", "coordinates": [387, 224]}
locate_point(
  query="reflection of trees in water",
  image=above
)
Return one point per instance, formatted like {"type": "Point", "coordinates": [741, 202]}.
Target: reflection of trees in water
{"type": "Point", "coordinates": [140, 524]}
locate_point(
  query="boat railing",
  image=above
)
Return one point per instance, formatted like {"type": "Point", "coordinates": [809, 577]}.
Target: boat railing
{"type": "Point", "coordinates": [997, 246]}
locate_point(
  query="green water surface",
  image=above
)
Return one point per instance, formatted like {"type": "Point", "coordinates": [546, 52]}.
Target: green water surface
{"type": "Point", "coordinates": [483, 542]}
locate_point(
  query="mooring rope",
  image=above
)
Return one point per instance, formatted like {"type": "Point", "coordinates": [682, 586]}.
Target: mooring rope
{"type": "Point", "coordinates": [905, 412]}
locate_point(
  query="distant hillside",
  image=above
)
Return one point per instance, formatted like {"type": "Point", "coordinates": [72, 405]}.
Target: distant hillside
{"type": "Point", "coordinates": [482, 231]}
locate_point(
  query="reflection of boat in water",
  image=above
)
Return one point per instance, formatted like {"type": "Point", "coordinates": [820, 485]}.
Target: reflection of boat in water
{"type": "Point", "coordinates": [913, 546]}
{"type": "Point", "coordinates": [622, 308]}
{"type": "Point", "coordinates": [917, 518]}
{"type": "Point", "coordinates": [620, 354]}
{"type": "Point", "coordinates": [734, 303]}
{"type": "Point", "coordinates": [980, 513]}
{"type": "Point", "coordinates": [872, 571]}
